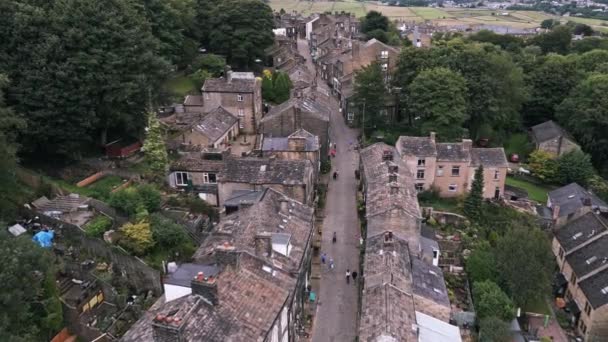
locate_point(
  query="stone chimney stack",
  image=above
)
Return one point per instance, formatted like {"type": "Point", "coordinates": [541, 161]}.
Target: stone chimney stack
{"type": "Point", "coordinates": [296, 143]}
{"type": "Point", "coordinates": [263, 244]}
{"type": "Point", "coordinates": [432, 136]}
{"type": "Point", "coordinates": [227, 255]}
{"type": "Point", "coordinates": [467, 144]}
{"type": "Point", "coordinates": [228, 73]}
{"type": "Point", "coordinates": [555, 212]}
{"type": "Point", "coordinates": [355, 48]}
{"type": "Point", "coordinates": [205, 287]}
{"type": "Point", "coordinates": [167, 328]}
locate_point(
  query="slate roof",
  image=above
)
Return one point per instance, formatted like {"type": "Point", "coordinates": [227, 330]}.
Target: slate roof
{"type": "Point", "coordinates": [453, 152]}
{"type": "Point", "coordinates": [267, 215]}
{"type": "Point", "coordinates": [306, 105]}
{"type": "Point", "coordinates": [581, 230]}
{"type": "Point", "coordinates": [428, 282]}
{"type": "Point", "coordinates": [64, 204]}
{"type": "Point", "coordinates": [248, 306]}
{"type": "Point", "coordinates": [547, 130]}
{"type": "Point", "coordinates": [569, 198]}
{"type": "Point", "coordinates": [282, 144]}
{"type": "Point", "coordinates": [592, 288]}
{"type": "Point", "coordinates": [489, 157]}
{"type": "Point", "coordinates": [216, 123]}
{"type": "Point", "coordinates": [193, 100]}
{"type": "Point", "coordinates": [195, 163]}
{"type": "Point", "coordinates": [238, 197]}
{"type": "Point", "coordinates": [590, 257]}
{"type": "Point", "coordinates": [235, 83]}
{"type": "Point", "coordinates": [417, 146]}
{"type": "Point", "coordinates": [185, 272]}
{"type": "Point", "coordinates": [266, 171]}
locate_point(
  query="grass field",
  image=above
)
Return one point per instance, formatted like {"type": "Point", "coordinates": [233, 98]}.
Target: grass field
{"type": "Point", "coordinates": [440, 16]}
{"type": "Point", "coordinates": [536, 192]}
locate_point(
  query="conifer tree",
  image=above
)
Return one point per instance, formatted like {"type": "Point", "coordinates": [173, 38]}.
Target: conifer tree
{"type": "Point", "coordinates": [474, 200]}
{"type": "Point", "coordinates": [155, 149]}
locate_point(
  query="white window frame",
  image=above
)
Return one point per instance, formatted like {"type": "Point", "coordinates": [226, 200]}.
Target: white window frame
{"type": "Point", "coordinates": [419, 187]}
{"type": "Point", "coordinates": [350, 116]}
{"type": "Point", "coordinates": [457, 167]}
{"type": "Point", "coordinates": [418, 174]}
{"type": "Point", "coordinates": [207, 180]}
{"type": "Point", "coordinates": [179, 178]}
{"type": "Point", "coordinates": [239, 98]}
{"type": "Point", "coordinates": [384, 53]}
{"type": "Point", "coordinates": [453, 187]}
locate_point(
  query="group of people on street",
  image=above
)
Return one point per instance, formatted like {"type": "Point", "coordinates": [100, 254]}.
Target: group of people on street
{"type": "Point", "coordinates": [330, 264]}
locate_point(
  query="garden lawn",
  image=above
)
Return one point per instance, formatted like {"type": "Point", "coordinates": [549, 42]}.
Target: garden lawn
{"type": "Point", "coordinates": [539, 306]}
{"type": "Point", "coordinates": [180, 85]}
{"type": "Point", "coordinates": [536, 192]}
{"type": "Point", "coordinates": [451, 205]}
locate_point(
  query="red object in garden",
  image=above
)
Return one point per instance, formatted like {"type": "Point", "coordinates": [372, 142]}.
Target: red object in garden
{"type": "Point", "coordinates": [514, 158]}
{"type": "Point", "coordinates": [122, 148]}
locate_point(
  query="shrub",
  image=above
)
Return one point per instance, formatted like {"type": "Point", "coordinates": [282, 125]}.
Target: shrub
{"type": "Point", "coordinates": [137, 237]}
{"type": "Point", "coordinates": [576, 167]}
{"type": "Point", "coordinates": [137, 200]}
{"type": "Point", "coordinates": [125, 200]}
{"type": "Point", "coordinates": [150, 197]}
{"type": "Point", "coordinates": [97, 226]}
{"type": "Point", "coordinates": [491, 301]}
{"type": "Point", "coordinates": [166, 233]}
{"type": "Point", "coordinates": [543, 165]}
{"type": "Point", "coordinates": [326, 166]}
{"type": "Point", "coordinates": [492, 329]}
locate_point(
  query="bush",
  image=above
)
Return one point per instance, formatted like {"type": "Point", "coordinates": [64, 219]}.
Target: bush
{"type": "Point", "coordinates": [97, 226]}
{"type": "Point", "coordinates": [429, 195]}
{"type": "Point", "coordinates": [125, 200]}
{"type": "Point", "coordinates": [212, 64]}
{"type": "Point", "coordinates": [137, 200]}
{"type": "Point", "coordinates": [492, 329]}
{"type": "Point", "coordinates": [543, 165]}
{"type": "Point", "coordinates": [198, 206]}
{"type": "Point", "coordinates": [137, 237]}
{"type": "Point", "coordinates": [576, 167]}
{"type": "Point", "coordinates": [150, 197]}
{"type": "Point", "coordinates": [166, 233]}
{"type": "Point", "coordinates": [326, 166]}
{"type": "Point", "coordinates": [491, 301]}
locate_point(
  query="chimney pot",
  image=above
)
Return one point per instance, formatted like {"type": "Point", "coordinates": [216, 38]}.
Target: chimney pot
{"type": "Point", "coordinates": [467, 144]}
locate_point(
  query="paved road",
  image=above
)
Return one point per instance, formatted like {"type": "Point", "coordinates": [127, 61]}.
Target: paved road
{"type": "Point", "coordinates": [336, 315]}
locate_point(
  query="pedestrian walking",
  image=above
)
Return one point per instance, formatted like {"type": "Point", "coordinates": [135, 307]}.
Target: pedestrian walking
{"type": "Point", "coordinates": [354, 275]}
{"type": "Point", "coordinates": [348, 276]}
{"type": "Point", "coordinates": [331, 263]}
{"type": "Point", "coordinates": [323, 258]}
{"type": "Point", "coordinates": [334, 238]}
{"type": "Point", "coordinates": [335, 146]}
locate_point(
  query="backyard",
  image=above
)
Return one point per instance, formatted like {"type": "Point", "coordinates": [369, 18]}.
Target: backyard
{"type": "Point", "coordinates": [180, 85]}
{"type": "Point", "coordinates": [536, 192]}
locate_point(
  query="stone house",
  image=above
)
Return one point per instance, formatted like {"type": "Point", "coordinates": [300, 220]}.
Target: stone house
{"type": "Point", "coordinates": [283, 54]}
{"type": "Point", "coordinates": [571, 201]}
{"type": "Point", "coordinates": [247, 283]}
{"type": "Point", "coordinates": [294, 178]}
{"type": "Point", "coordinates": [327, 32]}
{"type": "Point", "coordinates": [300, 145]}
{"type": "Point", "coordinates": [199, 173]}
{"type": "Point", "coordinates": [216, 176]}
{"type": "Point", "coordinates": [550, 137]}
{"type": "Point", "coordinates": [580, 250]}
{"type": "Point", "coordinates": [298, 113]}
{"type": "Point", "coordinates": [194, 104]}
{"type": "Point", "coordinates": [239, 93]}
{"type": "Point", "coordinates": [399, 285]}
{"type": "Point", "coordinates": [450, 167]}
{"type": "Point", "coordinates": [215, 129]}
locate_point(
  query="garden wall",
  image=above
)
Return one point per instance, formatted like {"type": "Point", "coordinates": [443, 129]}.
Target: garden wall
{"type": "Point", "coordinates": [137, 273]}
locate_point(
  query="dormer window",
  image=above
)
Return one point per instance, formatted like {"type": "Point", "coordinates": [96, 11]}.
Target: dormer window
{"type": "Point", "coordinates": [388, 237]}
{"type": "Point", "coordinates": [421, 161]}
{"type": "Point", "coordinates": [239, 98]}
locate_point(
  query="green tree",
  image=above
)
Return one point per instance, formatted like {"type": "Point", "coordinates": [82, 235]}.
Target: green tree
{"type": "Point", "coordinates": [155, 150]}
{"type": "Point", "coordinates": [549, 82]}
{"type": "Point", "coordinates": [126, 200]}
{"type": "Point", "coordinates": [31, 310]}
{"type": "Point", "coordinates": [493, 329]}
{"type": "Point", "coordinates": [438, 96]}
{"type": "Point", "coordinates": [481, 264]}
{"type": "Point", "coordinates": [99, 60]}
{"type": "Point", "coordinates": [281, 85]}
{"type": "Point", "coordinates": [584, 113]}
{"type": "Point", "coordinates": [543, 165]}
{"type": "Point", "coordinates": [241, 30]}
{"type": "Point", "coordinates": [592, 60]}
{"type": "Point", "coordinates": [267, 87]}
{"type": "Point", "coordinates": [137, 237]}
{"type": "Point", "coordinates": [474, 200]}
{"type": "Point", "coordinates": [575, 166]}
{"type": "Point", "coordinates": [10, 126]}
{"type": "Point", "coordinates": [549, 23]}
{"type": "Point", "coordinates": [170, 236]}
{"type": "Point", "coordinates": [525, 264]}
{"type": "Point", "coordinates": [211, 63]}
{"type": "Point", "coordinates": [491, 301]}
{"type": "Point", "coordinates": [150, 197]}
{"type": "Point", "coordinates": [589, 43]}
{"type": "Point", "coordinates": [369, 96]}
{"type": "Point", "coordinates": [583, 29]}
{"type": "Point", "coordinates": [599, 186]}
{"type": "Point", "coordinates": [378, 35]}
{"type": "Point", "coordinates": [505, 41]}
{"type": "Point", "coordinates": [558, 40]}
{"type": "Point", "coordinates": [374, 20]}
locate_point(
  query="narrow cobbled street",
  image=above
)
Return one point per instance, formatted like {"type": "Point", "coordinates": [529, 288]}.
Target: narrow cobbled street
{"type": "Point", "coordinates": [336, 316]}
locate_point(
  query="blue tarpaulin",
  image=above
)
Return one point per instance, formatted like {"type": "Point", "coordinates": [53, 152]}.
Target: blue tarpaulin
{"type": "Point", "coordinates": [44, 239]}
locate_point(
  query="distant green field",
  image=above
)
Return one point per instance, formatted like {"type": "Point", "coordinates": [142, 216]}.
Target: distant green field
{"type": "Point", "coordinates": [440, 16]}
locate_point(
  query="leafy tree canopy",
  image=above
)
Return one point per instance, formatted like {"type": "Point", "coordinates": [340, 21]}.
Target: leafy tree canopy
{"type": "Point", "coordinates": [369, 95]}
{"type": "Point", "coordinates": [491, 301]}
{"type": "Point", "coordinates": [374, 21]}
{"type": "Point", "coordinates": [493, 329]}
{"type": "Point", "coordinates": [576, 167]}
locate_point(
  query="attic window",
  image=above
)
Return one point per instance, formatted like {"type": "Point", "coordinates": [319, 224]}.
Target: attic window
{"type": "Point", "coordinates": [436, 290]}
{"type": "Point", "coordinates": [571, 196]}
{"type": "Point", "coordinates": [605, 290]}
{"type": "Point", "coordinates": [263, 168]}
{"type": "Point", "coordinates": [591, 260]}
{"type": "Point", "coordinates": [577, 235]}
